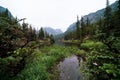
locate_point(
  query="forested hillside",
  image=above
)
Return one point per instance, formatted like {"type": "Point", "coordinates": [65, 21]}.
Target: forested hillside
{"type": "Point", "coordinates": [101, 39]}
{"type": "Point", "coordinates": [94, 16]}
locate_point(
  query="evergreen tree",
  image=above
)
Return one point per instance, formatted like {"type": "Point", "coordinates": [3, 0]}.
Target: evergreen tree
{"type": "Point", "coordinates": [6, 13]}
{"type": "Point", "coordinates": [107, 16]}
{"type": "Point", "coordinates": [41, 33]}
{"type": "Point", "coordinates": [117, 20]}
{"type": "Point", "coordinates": [109, 32]}
{"type": "Point", "coordinates": [118, 12]}
{"type": "Point", "coordinates": [52, 39]}
{"type": "Point", "coordinates": [26, 31]}
{"type": "Point", "coordinates": [78, 28]}
{"type": "Point", "coordinates": [30, 33]}
{"type": "Point", "coordinates": [34, 35]}
{"type": "Point", "coordinates": [25, 27]}
{"type": "Point", "coordinates": [10, 33]}
{"type": "Point", "coordinates": [87, 22]}
{"type": "Point", "coordinates": [82, 29]}
{"type": "Point", "coordinates": [107, 26]}
{"type": "Point", "coordinates": [100, 23]}
{"type": "Point", "coordinates": [87, 30]}
{"type": "Point", "coordinates": [108, 19]}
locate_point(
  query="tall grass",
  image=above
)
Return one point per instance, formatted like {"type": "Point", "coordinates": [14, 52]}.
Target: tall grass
{"type": "Point", "coordinates": [41, 63]}
{"type": "Point", "coordinates": [92, 45]}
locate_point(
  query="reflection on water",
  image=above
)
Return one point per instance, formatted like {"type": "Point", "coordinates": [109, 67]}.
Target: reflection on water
{"type": "Point", "coordinates": [69, 69]}
{"type": "Point", "coordinates": [66, 44]}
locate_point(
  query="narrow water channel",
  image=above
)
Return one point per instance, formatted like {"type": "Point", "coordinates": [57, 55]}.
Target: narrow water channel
{"type": "Point", "coordinates": [69, 69]}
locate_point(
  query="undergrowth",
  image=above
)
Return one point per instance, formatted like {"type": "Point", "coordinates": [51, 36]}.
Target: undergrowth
{"type": "Point", "coordinates": [41, 63]}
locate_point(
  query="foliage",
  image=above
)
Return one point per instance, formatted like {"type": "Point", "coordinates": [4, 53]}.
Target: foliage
{"type": "Point", "coordinates": [92, 45]}
{"type": "Point", "coordinates": [41, 33]}
{"type": "Point", "coordinates": [15, 44]}
{"type": "Point", "coordinates": [103, 58]}
{"type": "Point", "coordinates": [103, 65]}
{"type": "Point", "coordinates": [11, 65]}
{"type": "Point", "coordinates": [78, 28]}
{"type": "Point", "coordinates": [103, 46]}
{"type": "Point", "coordinates": [52, 39]}
{"type": "Point", "coordinates": [84, 30]}
{"type": "Point", "coordinates": [41, 64]}
{"type": "Point", "coordinates": [102, 50]}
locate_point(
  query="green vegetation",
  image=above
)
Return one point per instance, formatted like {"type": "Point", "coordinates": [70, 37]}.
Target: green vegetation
{"type": "Point", "coordinates": [92, 45]}
{"type": "Point", "coordinates": [17, 43]}
{"type": "Point", "coordinates": [101, 41]}
{"type": "Point", "coordinates": [101, 63]}
{"type": "Point", "coordinates": [24, 56]}
{"type": "Point", "coordinates": [41, 64]}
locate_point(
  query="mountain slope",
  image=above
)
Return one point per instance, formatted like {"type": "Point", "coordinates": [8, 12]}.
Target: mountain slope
{"type": "Point", "coordinates": [2, 9]}
{"type": "Point", "coordinates": [52, 31]}
{"type": "Point", "coordinates": [93, 17]}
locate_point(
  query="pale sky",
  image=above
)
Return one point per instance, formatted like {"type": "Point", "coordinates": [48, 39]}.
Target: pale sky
{"type": "Point", "coordinates": [52, 13]}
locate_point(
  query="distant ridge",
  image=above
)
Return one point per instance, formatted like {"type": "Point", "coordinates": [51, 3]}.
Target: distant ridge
{"type": "Point", "coordinates": [52, 31]}
{"type": "Point", "coordinates": [2, 9]}
{"type": "Point", "coordinates": [93, 17]}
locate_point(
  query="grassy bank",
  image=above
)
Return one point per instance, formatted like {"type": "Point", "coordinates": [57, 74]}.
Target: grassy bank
{"type": "Point", "coordinates": [71, 41]}
{"type": "Point", "coordinates": [41, 63]}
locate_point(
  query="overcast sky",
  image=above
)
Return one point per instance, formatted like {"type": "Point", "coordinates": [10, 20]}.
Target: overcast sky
{"type": "Point", "coordinates": [52, 13]}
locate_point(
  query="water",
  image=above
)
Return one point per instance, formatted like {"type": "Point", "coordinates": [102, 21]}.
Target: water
{"type": "Point", "coordinates": [69, 69]}
{"type": "Point", "coordinates": [66, 44]}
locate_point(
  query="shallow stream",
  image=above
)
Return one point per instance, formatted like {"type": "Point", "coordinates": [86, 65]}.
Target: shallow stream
{"type": "Point", "coordinates": [69, 69]}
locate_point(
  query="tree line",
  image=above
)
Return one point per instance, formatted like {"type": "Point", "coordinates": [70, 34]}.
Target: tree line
{"type": "Point", "coordinates": [102, 63]}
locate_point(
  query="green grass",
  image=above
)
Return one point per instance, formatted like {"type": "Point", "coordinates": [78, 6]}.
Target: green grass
{"type": "Point", "coordinates": [92, 45]}
{"type": "Point", "coordinates": [41, 64]}
{"type": "Point", "coordinates": [72, 41]}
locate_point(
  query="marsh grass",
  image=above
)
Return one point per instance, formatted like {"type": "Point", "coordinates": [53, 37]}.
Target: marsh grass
{"type": "Point", "coordinates": [41, 64]}
{"type": "Point", "coordinates": [93, 45]}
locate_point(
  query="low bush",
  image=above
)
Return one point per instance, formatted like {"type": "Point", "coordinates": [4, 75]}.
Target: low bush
{"type": "Point", "coordinates": [92, 45]}
{"type": "Point", "coordinates": [13, 64]}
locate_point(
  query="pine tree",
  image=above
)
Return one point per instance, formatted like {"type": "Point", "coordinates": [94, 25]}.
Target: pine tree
{"type": "Point", "coordinates": [87, 22]}
{"type": "Point", "coordinates": [109, 33]}
{"type": "Point", "coordinates": [107, 19]}
{"type": "Point", "coordinates": [78, 28]}
{"type": "Point", "coordinates": [25, 29]}
{"type": "Point", "coordinates": [6, 13]}
{"type": "Point", "coordinates": [118, 17]}
{"type": "Point", "coordinates": [117, 20]}
{"type": "Point", "coordinates": [52, 39]}
{"type": "Point", "coordinates": [107, 26]}
{"type": "Point", "coordinates": [87, 27]}
{"type": "Point", "coordinates": [100, 23]}
{"type": "Point", "coordinates": [34, 35]}
{"type": "Point", "coordinates": [30, 33]}
{"type": "Point", "coordinates": [82, 29]}
{"type": "Point", "coordinates": [41, 34]}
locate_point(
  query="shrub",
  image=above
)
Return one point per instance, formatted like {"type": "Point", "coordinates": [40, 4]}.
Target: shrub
{"type": "Point", "coordinates": [92, 45]}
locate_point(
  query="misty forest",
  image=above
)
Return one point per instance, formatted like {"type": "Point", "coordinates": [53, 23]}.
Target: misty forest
{"type": "Point", "coordinates": [88, 50]}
